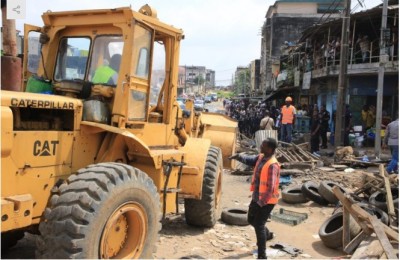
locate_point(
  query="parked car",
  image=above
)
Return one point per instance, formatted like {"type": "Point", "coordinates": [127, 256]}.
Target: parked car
{"type": "Point", "coordinates": [208, 99]}
{"type": "Point", "coordinates": [198, 105]}
{"type": "Point", "coordinates": [214, 97]}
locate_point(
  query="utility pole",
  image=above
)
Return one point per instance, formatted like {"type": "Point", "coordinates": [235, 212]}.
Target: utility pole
{"type": "Point", "coordinates": [185, 81]}
{"type": "Point", "coordinates": [381, 74]}
{"type": "Point", "coordinates": [342, 84]}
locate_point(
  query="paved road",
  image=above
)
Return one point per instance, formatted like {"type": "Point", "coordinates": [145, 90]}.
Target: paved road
{"type": "Point", "coordinates": [215, 107]}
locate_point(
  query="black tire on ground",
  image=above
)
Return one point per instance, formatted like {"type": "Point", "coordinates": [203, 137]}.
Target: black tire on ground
{"type": "Point", "coordinates": [236, 217]}
{"type": "Point", "coordinates": [285, 172]}
{"type": "Point", "coordinates": [378, 198]}
{"type": "Point", "coordinates": [310, 191]}
{"type": "Point", "coordinates": [325, 190]}
{"type": "Point", "coordinates": [331, 231]}
{"type": "Point", "coordinates": [10, 239]}
{"type": "Point", "coordinates": [294, 195]}
{"type": "Point", "coordinates": [96, 203]}
{"type": "Point", "coordinates": [380, 214]}
{"type": "Point", "coordinates": [205, 212]}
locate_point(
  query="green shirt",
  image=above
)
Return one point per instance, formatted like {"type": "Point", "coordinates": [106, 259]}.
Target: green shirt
{"type": "Point", "coordinates": [104, 75]}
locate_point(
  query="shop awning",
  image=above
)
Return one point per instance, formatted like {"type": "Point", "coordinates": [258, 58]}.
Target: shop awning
{"type": "Point", "coordinates": [280, 92]}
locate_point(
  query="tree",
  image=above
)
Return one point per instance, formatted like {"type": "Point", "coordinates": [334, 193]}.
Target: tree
{"type": "Point", "coordinates": [242, 82]}
{"type": "Point", "coordinates": [199, 80]}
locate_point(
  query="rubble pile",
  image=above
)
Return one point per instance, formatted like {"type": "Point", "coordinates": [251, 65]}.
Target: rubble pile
{"type": "Point", "coordinates": [365, 219]}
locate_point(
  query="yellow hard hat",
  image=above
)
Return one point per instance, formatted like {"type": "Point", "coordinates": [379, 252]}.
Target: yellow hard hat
{"type": "Point", "coordinates": [288, 99]}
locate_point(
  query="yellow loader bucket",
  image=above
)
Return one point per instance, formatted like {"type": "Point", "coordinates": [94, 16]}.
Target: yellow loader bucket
{"type": "Point", "coordinates": [222, 131]}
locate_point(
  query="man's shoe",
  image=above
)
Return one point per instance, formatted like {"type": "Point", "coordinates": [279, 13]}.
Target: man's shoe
{"type": "Point", "coordinates": [261, 257]}
{"type": "Point", "coordinates": [316, 154]}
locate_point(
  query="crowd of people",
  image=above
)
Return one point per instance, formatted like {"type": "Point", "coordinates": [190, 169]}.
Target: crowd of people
{"type": "Point", "coordinates": [253, 117]}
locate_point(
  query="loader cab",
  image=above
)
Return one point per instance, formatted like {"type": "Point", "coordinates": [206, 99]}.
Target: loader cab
{"type": "Point", "coordinates": [120, 63]}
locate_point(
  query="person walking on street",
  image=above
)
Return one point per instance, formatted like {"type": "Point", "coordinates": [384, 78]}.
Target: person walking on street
{"type": "Point", "coordinates": [288, 115]}
{"type": "Point", "coordinates": [348, 124]}
{"type": "Point", "coordinates": [265, 188]}
{"type": "Point", "coordinates": [315, 133]}
{"type": "Point", "coordinates": [325, 117]}
{"type": "Point", "coordinates": [267, 123]}
{"type": "Point", "coordinates": [391, 139]}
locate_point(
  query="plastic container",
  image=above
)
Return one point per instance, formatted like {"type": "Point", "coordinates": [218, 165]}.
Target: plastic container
{"type": "Point", "coordinates": [37, 84]}
{"type": "Point", "coordinates": [352, 138]}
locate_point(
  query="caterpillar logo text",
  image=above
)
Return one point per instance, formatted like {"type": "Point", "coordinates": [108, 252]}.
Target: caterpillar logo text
{"type": "Point", "coordinates": [47, 148]}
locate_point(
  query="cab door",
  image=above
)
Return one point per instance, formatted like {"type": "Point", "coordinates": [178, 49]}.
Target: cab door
{"type": "Point", "coordinates": [32, 52]}
{"type": "Point", "coordinates": [139, 85]}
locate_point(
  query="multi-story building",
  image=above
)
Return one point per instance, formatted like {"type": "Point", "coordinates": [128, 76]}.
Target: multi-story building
{"type": "Point", "coordinates": [242, 80]}
{"type": "Point", "coordinates": [210, 78]}
{"type": "Point", "coordinates": [255, 77]}
{"type": "Point", "coordinates": [285, 21]}
{"type": "Point", "coordinates": [314, 64]}
{"type": "Point", "coordinates": [198, 79]}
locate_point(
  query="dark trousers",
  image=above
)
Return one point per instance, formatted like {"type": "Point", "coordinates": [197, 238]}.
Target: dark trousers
{"type": "Point", "coordinates": [323, 132]}
{"type": "Point", "coordinates": [346, 138]}
{"type": "Point", "coordinates": [257, 217]}
{"type": "Point", "coordinates": [315, 143]}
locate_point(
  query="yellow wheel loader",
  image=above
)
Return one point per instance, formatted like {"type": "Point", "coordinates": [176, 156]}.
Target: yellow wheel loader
{"type": "Point", "coordinates": [95, 148]}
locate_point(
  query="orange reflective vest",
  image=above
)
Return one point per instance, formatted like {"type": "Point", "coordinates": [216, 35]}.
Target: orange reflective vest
{"type": "Point", "coordinates": [264, 180]}
{"type": "Point", "coordinates": [287, 114]}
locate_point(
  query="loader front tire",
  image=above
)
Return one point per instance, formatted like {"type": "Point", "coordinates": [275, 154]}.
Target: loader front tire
{"type": "Point", "coordinates": [106, 210]}
{"type": "Point", "coordinates": [205, 212]}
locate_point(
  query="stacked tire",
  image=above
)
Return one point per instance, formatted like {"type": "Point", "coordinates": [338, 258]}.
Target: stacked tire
{"type": "Point", "coordinates": [310, 190]}
{"type": "Point", "coordinates": [331, 231]}
{"type": "Point", "coordinates": [294, 195]}
{"type": "Point", "coordinates": [321, 193]}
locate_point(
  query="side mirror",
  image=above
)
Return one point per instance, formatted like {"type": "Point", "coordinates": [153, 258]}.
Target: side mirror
{"type": "Point", "coordinates": [44, 38]}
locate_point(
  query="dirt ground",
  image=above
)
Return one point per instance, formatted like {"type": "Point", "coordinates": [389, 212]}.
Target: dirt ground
{"type": "Point", "coordinates": [179, 240]}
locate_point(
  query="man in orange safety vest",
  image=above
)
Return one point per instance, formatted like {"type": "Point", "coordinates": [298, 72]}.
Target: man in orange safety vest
{"type": "Point", "coordinates": [288, 115]}
{"type": "Point", "coordinates": [265, 188]}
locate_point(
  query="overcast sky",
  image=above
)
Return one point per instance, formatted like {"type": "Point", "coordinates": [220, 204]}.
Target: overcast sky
{"type": "Point", "coordinates": [220, 34]}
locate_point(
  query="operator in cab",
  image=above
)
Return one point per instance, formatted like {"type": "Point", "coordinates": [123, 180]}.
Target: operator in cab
{"type": "Point", "coordinates": [265, 188]}
{"type": "Point", "coordinates": [108, 74]}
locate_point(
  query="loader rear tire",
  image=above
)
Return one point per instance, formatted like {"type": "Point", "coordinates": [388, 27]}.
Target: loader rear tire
{"type": "Point", "coordinates": [106, 210]}
{"type": "Point", "coordinates": [205, 212]}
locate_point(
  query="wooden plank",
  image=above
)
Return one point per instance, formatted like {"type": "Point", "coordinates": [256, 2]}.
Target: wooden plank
{"type": "Point", "coordinates": [350, 247]}
{"type": "Point", "coordinates": [361, 162]}
{"type": "Point", "coordinates": [389, 197]}
{"type": "Point", "coordinates": [370, 248]}
{"type": "Point", "coordinates": [346, 228]}
{"type": "Point", "coordinates": [383, 239]}
{"type": "Point", "coordinates": [361, 215]}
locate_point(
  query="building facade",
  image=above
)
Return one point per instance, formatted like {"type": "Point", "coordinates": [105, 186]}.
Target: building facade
{"type": "Point", "coordinates": [309, 71]}
{"type": "Point", "coordinates": [255, 77]}
{"type": "Point", "coordinates": [285, 21]}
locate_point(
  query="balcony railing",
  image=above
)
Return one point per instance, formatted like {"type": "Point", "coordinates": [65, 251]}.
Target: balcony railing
{"type": "Point", "coordinates": [355, 57]}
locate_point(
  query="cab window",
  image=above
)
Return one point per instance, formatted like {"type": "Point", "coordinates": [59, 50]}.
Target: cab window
{"type": "Point", "coordinates": [142, 44]}
{"type": "Point", "coordinates": [34, 48]}
{"type": "Point", "coordinates": [106, 59]}
{"type": "Point", "coordinates": [72, 58]}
